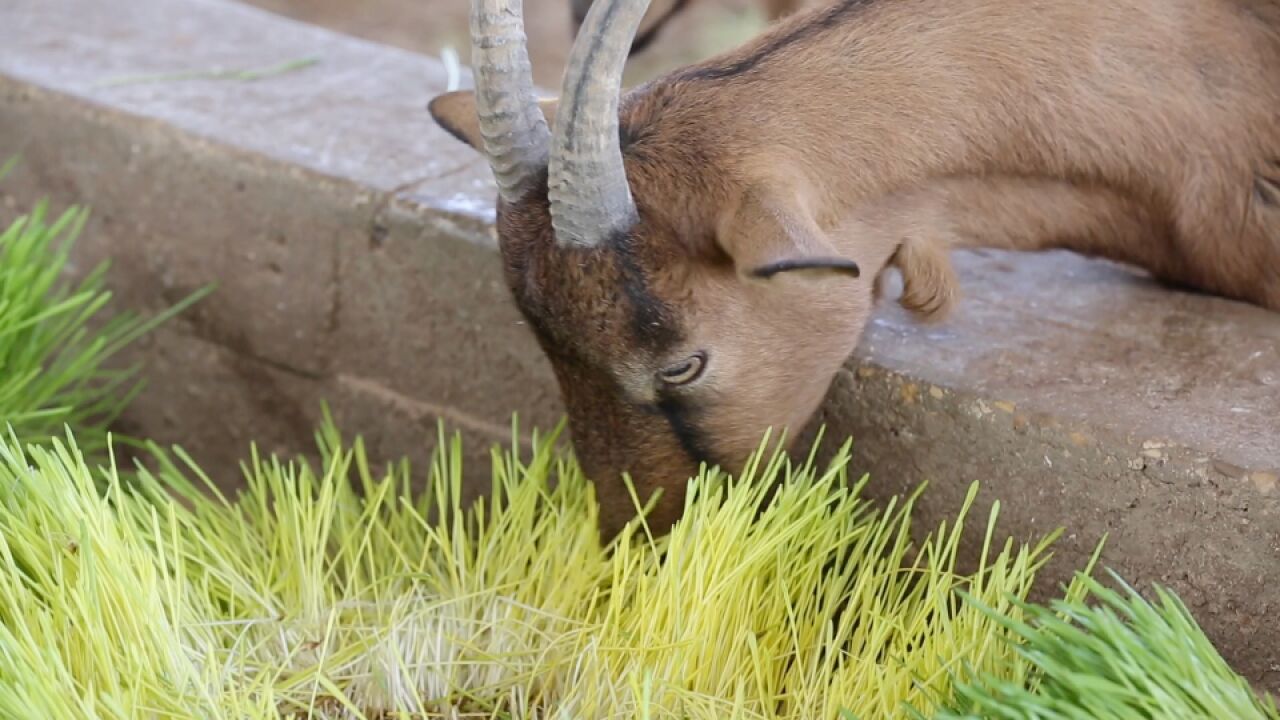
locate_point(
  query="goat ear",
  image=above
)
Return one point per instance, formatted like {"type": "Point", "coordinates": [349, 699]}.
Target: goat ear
{"type": "Point", "coordinates": [456, 113]}
{"type": "Point", "coordinates": [765, 237]}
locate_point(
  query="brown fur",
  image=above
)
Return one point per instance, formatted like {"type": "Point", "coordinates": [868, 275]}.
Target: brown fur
{"type": "Point", "coordinates": [887, 132]}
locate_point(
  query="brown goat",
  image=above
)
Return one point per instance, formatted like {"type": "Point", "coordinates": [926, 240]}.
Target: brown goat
{"type": "Point", "coordinates": [699, 256]}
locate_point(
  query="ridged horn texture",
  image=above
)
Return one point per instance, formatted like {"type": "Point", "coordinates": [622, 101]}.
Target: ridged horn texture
{"type": "Point", "coordinates": [586, 182]}
{"type": "Point", "coordinates": [516, 137]}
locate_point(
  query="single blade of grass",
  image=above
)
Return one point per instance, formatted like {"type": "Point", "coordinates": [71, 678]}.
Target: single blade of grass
{"type": "Point", "coordinates": [240, 74]}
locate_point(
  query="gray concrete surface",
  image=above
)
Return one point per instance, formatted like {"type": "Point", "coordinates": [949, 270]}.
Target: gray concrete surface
{"type": "Point", "coordinates": [352, 245]}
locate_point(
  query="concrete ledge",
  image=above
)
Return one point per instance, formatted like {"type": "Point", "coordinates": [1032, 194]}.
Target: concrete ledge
{"type": "Point", "coordinates": [351, 240]}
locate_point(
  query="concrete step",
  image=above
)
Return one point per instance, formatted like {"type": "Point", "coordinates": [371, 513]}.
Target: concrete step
{"type": "Point", "coordinates": [352, 243]}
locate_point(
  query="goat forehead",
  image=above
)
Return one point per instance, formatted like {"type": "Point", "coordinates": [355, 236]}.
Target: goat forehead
{"type": "Point", "coordinates": [597, 305]}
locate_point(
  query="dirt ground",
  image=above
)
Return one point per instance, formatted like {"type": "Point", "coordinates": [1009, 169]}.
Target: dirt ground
{"type": "Point", "coordinates": [430, 26]}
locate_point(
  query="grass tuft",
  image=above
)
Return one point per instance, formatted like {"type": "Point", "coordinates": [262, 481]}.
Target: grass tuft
{"type": "Point", "coordinates": [1111, 655]}
{"type": "Point", "coordinates": [337, 591]}
{"type": "Point", "coordinates": [57, 338]}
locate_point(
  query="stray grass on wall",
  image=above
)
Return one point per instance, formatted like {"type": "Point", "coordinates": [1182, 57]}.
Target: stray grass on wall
{"type": "Point", "coordinates": [340, 592]}
{"type": "Point", "coordinates": [56, 338]}
{"type": "Point", "coordinates": [1120, 657]}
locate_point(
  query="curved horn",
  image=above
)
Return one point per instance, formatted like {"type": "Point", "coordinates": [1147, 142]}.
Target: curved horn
{"type": "Point", "coordinates": [586, 182]}
{"type": "Point", "coordinates": [516, 138]}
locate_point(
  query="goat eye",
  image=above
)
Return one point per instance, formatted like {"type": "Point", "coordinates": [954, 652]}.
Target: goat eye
{"type": "Point", "coordinates": [685, 371]}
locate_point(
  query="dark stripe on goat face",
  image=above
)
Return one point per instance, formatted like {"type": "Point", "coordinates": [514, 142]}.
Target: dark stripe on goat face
{"type": "Point", "coordinates": [652, 319]}
{"type": "Point", "coordinates": [682, 419]}
{"type": "Point", "coordinates": [815, 25]}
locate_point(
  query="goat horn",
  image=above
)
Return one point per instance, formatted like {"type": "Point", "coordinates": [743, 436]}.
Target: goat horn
{"type": "Point", "coordinates": [586, 182]}
{"type": "Point", "coordinates": [516, 138]}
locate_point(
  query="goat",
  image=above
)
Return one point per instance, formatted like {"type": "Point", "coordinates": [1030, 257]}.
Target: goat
{"type": "Point", "coordinates": [661, 12]}
{"type": "Point", "coordinates": [698, 257]}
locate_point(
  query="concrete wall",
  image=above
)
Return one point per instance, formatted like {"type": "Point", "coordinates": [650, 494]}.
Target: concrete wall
{"type": "Point", "coordinates": [351, 241]}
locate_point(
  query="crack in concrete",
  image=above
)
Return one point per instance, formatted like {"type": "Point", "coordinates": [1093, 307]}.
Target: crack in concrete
{"type": "Point", "coordinates": [421, 410]}
{"type": "Point", "coordinates": [277, 365]}
{"type": "Point", "coordinates": [378, 229]}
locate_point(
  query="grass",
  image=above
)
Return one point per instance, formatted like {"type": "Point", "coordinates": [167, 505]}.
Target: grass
{"type": "Point", "coordinates": [234, 74]}
{"type": "Point", "coordinates": [1122, 657]}
{"type": "Point", "coordinates": [57, 339]}
{"type": "Point", "coordinates": [338, 591]}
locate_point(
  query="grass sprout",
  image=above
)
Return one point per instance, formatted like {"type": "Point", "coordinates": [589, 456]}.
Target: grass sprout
{"type": "Point", "coordinates": [234, 74]}
{"type": "Point", "coordinates": [338, 591]}
{"type": "Point", "coordinates": [1111, 655]}
{"type": "Point", "coordinates": [57, 338]}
